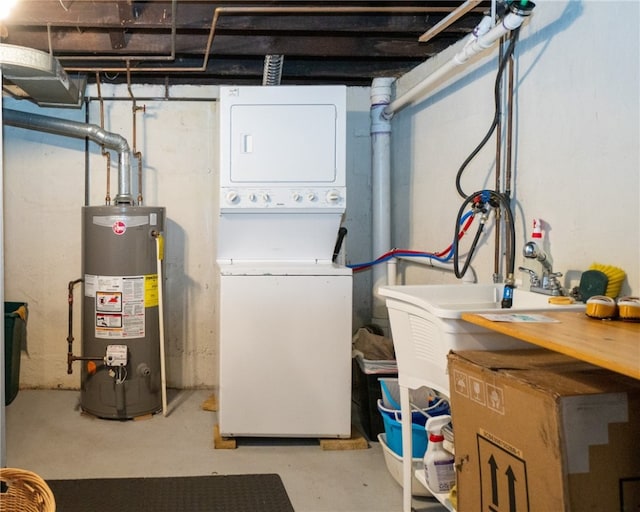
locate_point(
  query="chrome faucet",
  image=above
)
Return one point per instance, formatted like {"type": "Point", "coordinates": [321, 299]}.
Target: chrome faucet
{"type": "Point", "coordinates": [548, 282]}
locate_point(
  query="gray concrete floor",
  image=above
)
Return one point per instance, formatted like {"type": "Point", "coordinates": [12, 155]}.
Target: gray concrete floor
{"type": "Point", "coordinates": [46, 433]}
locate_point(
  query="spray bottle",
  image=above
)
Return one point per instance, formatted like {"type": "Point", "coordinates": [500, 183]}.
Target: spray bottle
{"type": "Point", "coordinates": [438, 463]}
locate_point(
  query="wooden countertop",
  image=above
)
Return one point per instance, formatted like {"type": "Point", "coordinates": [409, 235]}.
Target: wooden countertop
{"type": "Point", "coordinates": [611, 344]}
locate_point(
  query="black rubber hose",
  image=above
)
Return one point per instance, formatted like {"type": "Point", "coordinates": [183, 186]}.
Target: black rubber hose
{"type": "Point", "coordinates": [501, 200]}
{"type": "Point", "coordinates": [498, 110]}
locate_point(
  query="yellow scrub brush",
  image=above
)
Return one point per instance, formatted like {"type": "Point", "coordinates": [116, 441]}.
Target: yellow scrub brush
{"type": "Point", "coordinates": [615, 275]}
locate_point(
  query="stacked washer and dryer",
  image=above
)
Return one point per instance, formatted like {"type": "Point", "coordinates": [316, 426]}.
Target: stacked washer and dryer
{"type": "Point", "coordinates": [285, 305]}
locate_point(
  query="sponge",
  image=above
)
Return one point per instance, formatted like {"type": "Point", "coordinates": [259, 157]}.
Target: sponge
{"type": "Point", "coordinates": [601, 306]}
{"type": "Point", "coordinates": [629, 308]}
{"type": "Point", "coordinates": [615, 276]}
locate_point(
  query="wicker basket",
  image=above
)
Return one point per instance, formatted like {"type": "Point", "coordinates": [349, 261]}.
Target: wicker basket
{"type": "Point", "coordinates": [25, 492]}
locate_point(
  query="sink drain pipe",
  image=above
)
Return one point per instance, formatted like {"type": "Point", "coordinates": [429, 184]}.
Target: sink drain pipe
{"type": "Point", "coordinates": [380, 189]}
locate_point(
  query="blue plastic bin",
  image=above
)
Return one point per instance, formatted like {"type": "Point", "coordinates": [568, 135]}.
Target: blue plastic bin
{"type": "Point", "coordinates": [393, 426]}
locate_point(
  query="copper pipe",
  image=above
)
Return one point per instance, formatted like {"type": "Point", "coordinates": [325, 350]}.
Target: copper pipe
{"type": "Point", "coordinates": [136, 153]}
{"type": "Point", "coordinates": [218, 11]}
{"type": "Point", "coordinates": [509, 135]}
{"type": "Point", "coordinates": [497, 241]}
{"type": "Point", "coordinates": [70, 356]}
{"type": "Point", "coordinates": [508, 157]}
{"type": "Point", "coordinates": [105, 153]}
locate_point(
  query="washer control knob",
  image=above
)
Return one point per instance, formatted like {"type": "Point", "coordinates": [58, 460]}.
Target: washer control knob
{"type": "Point", "coordinates": [333, 196]}
{"type": "Point", "coordinates": [252, 197]}
{"type": "Point", "coordinates": [311, 196]}
{"type": "Point", "coordinates": [296, 197]}
{"type": "Point", "coordinates": [265, 197]}
{"type": "Point", "coordinates": [232, 197]}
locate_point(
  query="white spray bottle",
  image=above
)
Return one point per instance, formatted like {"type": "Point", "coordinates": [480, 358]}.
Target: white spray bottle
{"type": "Point", "coordinates": [438, 463]}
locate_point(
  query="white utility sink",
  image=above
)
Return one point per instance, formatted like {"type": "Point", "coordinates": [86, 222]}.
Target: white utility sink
{"type": "Point", "coordinates": [451, 300]}
{"type": "Point", "coordinates": [426, 326]}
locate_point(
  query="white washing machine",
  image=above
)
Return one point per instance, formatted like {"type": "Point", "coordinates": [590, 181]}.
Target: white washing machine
{"type": "Point", "coordinates": [285, 307]}
{"type": "Point", "coordinates": [285, 362]}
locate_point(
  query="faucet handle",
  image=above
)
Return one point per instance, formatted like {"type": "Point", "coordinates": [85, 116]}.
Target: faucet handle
{"type": "Point", "coordinates": [534, 280]}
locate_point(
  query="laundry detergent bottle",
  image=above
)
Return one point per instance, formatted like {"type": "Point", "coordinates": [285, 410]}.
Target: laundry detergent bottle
{"type": "Point", "coordinates": [438, 463]}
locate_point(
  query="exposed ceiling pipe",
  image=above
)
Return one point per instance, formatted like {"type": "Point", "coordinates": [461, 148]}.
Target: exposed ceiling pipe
{"type": "Point", "coordinates": [231, 11]}
{"type": "Point", "coordinates": [78, 130]}
{"type": "Point", "coordinates": [476, 43]}
{"type": "Point", "coordinates": [105, 153]}
{"type": "Point", "coordinates": [137, 154]}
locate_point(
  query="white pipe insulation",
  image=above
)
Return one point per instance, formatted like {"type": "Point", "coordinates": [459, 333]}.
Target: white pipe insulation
{"type": "Point", "coordinates": [79, 130]}
{"type": "Point", "coordinates": [479, 40]}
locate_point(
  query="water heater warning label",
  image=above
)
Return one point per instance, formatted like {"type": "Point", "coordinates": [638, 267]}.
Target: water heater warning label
{"type": "Point", "coordinates": [151, 290]}
{"type": "Point", "coordinates": [119, 305]}
{"type": "Point", "coordinates": [108, 301]}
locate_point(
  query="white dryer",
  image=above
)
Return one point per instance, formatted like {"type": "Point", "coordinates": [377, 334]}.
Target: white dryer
{"type": "Point", "coordinates": [285, 306]}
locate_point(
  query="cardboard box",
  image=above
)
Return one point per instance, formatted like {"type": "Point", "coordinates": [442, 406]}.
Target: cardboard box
{"type": "Point", "coordinates": [538, 431]}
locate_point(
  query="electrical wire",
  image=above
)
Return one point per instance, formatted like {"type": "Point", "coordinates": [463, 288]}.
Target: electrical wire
{"type": "Point", "coordinates": [120, 378]}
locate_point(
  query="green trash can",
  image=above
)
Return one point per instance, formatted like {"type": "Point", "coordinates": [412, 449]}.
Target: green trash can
{"type": "Point", "coordinates": [15, 333]}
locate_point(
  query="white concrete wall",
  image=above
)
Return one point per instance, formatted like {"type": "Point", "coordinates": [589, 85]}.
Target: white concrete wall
{"type": "Point", "coordinates": [45, 190]}
{"type": "Point", "coordinates": [577, 168]}
{"type": "Point", "coordinates": [576, 144]}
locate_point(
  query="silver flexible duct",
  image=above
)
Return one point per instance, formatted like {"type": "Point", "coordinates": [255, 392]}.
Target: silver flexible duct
{"type": "Point", "coordinates": [272, 72]}
{"type": "Point", "coordinates": [79, 130]}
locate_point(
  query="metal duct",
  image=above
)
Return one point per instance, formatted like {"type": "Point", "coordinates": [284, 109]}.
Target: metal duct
{"type": "Point", "coordinates": [40, 76]}
{"type": "Point", "coordinates": [272, 71]}
{"type": "Point", "coordinates": [80, 131]}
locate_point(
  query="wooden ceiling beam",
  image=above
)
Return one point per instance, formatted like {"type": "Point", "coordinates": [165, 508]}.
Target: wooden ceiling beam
{"type": "Point", "coordinates": [138, 45]}
{"type": "Point", "coordinates": [116, 35]}
{"type": "Point", "coordinates": [131, 15]}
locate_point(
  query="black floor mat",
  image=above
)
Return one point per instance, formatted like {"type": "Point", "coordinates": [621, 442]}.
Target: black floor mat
{"type": "Point", "coordinates": [229, 493]}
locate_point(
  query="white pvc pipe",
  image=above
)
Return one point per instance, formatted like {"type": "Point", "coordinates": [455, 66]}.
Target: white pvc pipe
{"type": "Point", "coordinates": [381, 186]}
{"type": "Point", "coordinates": [392, 271]}
{"type": "Point", "coordinates": [163, 369]}
{"type": "Point", "coordinates": [476, 43]}
{"type": "Point", "coordinates": [470, 276]}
